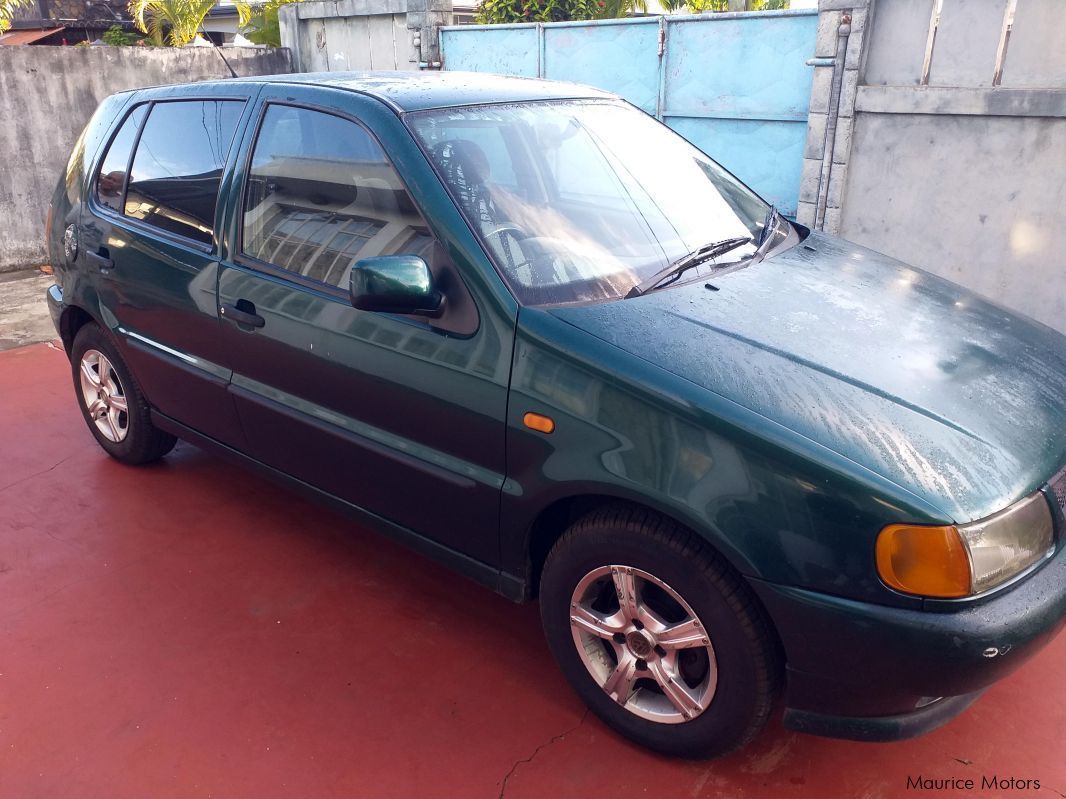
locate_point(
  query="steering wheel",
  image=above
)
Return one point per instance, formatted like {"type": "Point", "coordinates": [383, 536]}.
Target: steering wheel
{"type": "Point", "coordinates": [534, 262]}
{"type": "Point", "coordinates": [515, 231]}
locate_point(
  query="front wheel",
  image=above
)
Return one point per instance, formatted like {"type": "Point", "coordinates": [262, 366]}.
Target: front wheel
{"type": "Point", "coordinates": [111, 402]}
{"type": "Point", "coordinates": [658, 636]}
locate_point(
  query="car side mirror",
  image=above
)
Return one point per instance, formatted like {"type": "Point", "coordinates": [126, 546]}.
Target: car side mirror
{"type": "Point", "coordinates": [399, 284]}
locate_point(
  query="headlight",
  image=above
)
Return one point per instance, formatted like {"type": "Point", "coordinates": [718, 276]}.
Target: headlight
{"type": "Point", "coordinates": [966, 559]}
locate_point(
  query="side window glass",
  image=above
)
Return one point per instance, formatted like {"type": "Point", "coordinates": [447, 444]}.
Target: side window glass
{"type": "Point", "coordinates": [111, 177]}
{"type": "Point", "coordinates": [321, 194]}
{"type": "Point", "coordinates": [176, 172]}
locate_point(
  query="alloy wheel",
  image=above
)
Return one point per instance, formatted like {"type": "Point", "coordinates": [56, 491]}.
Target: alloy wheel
{"type": "Point", "coordinates": [643, 644]}
{"type": "Point", "coordinates": [103, 395]}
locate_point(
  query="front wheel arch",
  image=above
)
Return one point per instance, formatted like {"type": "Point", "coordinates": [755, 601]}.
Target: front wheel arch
{"type": "Point", "coordinates": [647, 540]}
{"type": "Point", "coordinates": [553, 520]}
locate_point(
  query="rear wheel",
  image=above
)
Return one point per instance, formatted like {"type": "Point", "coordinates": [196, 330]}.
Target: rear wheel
{"type": "Point", "coordinates": [111, 402]}
{"type": "Point", "coordinates": [660, 638]}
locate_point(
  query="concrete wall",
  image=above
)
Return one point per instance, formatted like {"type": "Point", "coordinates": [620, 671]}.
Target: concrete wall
{"type": "Point", "coordinates": [950, 144]}
{"type": "Point", "coordinates": [343, 35]}
{"type": "Point", "coordinates": [327, 36]}
{"type": "Point", "coordinates": [47, 94]}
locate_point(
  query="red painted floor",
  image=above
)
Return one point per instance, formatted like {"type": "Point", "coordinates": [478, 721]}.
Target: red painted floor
{"type": "Point", "coordinates": [190, 630]}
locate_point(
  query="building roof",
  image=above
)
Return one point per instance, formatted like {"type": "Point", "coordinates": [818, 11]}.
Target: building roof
{"type": "Point", "coordinates": [416, 91]}
{"type": "Point", "coordinates": [27, 36]}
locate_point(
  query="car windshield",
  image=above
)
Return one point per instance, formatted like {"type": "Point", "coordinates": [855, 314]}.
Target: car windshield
{"type": "Point", "coordinates": [580, 201]}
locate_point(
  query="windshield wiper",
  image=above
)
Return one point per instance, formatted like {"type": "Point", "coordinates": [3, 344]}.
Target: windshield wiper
{"type": "Point", "coordinates": [682, 265]}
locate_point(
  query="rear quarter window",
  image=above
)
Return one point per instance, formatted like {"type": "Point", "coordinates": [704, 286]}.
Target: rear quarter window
{"type": "Point", "coordinates": [111, 176]}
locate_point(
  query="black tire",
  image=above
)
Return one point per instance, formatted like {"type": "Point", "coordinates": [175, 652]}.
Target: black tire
{"type": "Point", "coordinates": [143, 442]}
{"type": "Point", "coordinates": [745, 647]}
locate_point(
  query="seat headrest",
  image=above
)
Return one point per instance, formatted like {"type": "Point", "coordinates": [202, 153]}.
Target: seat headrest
{"type": "Point", "coordinates": [465, 160]}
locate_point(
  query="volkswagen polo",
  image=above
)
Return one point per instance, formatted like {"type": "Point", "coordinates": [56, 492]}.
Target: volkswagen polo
{"type": "Point", "coordinates": [533, 333]}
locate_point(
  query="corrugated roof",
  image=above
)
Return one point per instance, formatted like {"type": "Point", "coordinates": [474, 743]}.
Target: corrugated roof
{"type": "Point", "coordinates": [28, 36]}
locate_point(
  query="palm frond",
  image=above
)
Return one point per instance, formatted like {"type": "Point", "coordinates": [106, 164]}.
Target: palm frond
{"type": "Point", "coordinates": [8, 8]}
{"type": "Point", "coordinates": [264, 27]}
{"type": "Point", "coordinates": [244, 12]}
{"type": "Point", "coordinates": [137, 9]}
{"type": "Point", "coordinates": [198, 11]}
{"type": "Point", "coordinates": [176, 22]}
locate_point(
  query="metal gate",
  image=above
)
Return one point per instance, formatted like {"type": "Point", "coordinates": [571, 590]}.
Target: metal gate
{"type": "Point", "coordinates": [736, 85]}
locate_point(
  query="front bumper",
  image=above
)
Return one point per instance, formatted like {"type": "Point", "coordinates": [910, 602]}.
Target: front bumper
{"type": "Point", "coordinates": [880, 728]}
{"type": "Point", "coordinates": [870, 672]}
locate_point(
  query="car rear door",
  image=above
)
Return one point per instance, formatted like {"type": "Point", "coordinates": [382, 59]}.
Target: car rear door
{"type": "Point", "coordinates": [147, 235]}
{"type": "Point", "coordinates": [400, 416]}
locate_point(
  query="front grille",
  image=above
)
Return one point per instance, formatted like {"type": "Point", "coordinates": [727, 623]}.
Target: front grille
{"type": "Point", "coordinates": [1058, 489]}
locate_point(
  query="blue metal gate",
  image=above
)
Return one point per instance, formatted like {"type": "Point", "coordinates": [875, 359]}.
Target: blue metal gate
{"type": "Point", "coordinates": [736, 85]}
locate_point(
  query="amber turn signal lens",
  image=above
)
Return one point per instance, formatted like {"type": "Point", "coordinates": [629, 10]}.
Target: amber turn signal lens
{"type": "Point", "coordinates": [924, 560]}
{"type": "Point", "coordinates": [535, 421]}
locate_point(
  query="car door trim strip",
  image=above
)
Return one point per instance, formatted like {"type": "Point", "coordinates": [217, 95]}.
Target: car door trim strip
{"type": "Point", "coordinates": [153, 347]}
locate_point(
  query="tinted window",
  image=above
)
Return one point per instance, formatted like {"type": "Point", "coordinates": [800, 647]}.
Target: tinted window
{"type": "Point", "coordinates": [111, 178]}
{"type": "Point", "coordinates": [321, 195]}
{"type": "Point", "coordinates": [178, 165]}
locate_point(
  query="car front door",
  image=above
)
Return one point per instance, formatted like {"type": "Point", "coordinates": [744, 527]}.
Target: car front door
{"type": "Point", "coordinates": [147, 235]}
{"type": "Point", "coordinates": [401, 416]}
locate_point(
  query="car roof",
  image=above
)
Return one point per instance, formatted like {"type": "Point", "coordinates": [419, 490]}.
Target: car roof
{"type": "Point", "coordinates": [417, 91]}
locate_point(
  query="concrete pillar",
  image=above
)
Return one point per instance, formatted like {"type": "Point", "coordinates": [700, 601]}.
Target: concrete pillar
{"type": "Point", "coordinates": [839, 56]}
{"type": "Point", "coordinates": [424, 20]}
{"type": "Point", "coordinates": [289, 26]}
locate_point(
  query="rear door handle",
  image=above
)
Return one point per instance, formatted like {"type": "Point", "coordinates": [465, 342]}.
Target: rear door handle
{"type": "Point", "coordinates": [101, 260]}
{"type": "Point", "coordinates": [243, 313]}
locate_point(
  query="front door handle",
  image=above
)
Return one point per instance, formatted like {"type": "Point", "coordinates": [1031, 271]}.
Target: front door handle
{"type": "Point", "coordinates": [243, 313]}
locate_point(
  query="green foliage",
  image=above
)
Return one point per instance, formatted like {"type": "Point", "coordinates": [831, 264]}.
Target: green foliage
{"type": "Point", "coordinates": [116, 36]}
{"type": "Point", "coordinates": [173, 22]}
{"type": "Point", "coordinates": [612, 9]}
{"type": "Point", "coordinates": [8, 9]}
{"type": "Point", "coordinates": [701, 6]}
{"type": "Point", "coordinates": [263, 26]}
{"type": "Point", "coordinates": [494, 12]}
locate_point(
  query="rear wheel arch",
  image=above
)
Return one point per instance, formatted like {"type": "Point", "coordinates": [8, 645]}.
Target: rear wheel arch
{"type": "Point", "coordinates": [110, 399]}
{"type": "Point", "coordinates": [73, 319]}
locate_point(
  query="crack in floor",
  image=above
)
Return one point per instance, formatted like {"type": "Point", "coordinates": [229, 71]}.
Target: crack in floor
{"type": "Point", "coordinates": [545, 745]}
{"type": "Point", "coordinates": [29, 477]}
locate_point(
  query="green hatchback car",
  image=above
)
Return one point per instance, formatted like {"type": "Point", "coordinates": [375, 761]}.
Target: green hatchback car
{"type": "Point", "coordinates": [533, 333]}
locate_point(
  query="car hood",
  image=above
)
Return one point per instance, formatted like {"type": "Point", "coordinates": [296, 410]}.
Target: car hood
{"type": "Point", "coordinates": [950, 397]}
